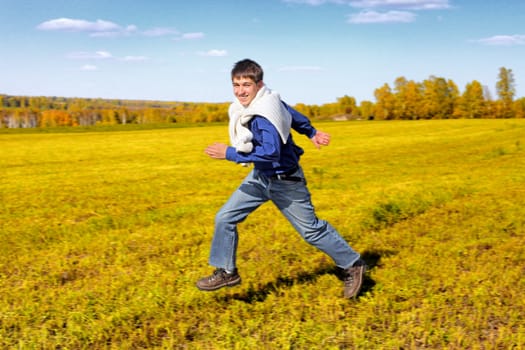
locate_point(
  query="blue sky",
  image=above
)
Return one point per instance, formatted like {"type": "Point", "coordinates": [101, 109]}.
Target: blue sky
{"type": "Point", "coordinates": [312, 51]}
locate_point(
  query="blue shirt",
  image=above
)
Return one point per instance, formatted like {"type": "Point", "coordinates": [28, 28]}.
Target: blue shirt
{"type": "Point", "coordinates": [269, 154]}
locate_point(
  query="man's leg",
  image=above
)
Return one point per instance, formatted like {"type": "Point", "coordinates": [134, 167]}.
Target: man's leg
{"type": "Point", "coordinates": [294, 201]}
{"type": "Point", "coordinates": [248, 197]}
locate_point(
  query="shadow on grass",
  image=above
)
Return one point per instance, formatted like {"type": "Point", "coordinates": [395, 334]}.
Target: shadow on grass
{"type": "Point", "coordinates": [259, 294]}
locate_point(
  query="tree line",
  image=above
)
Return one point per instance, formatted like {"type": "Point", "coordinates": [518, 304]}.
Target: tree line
{"type": "Point", "coordinates": [30, 112]}
{"type": "Point", "coordinates": [434, 98]}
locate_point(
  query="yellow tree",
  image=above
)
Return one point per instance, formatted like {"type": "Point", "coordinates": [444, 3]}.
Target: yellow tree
{"type": "Point", "coordinates": [109, 117]}
{"type": "Point", "coordinates": [14, 118]}
{"type": "Point", "coordinates": [506, 90]}
{"type": "Point", "coordinates": [439, 97]}
{"type": "Point", "coordinates": [311, 111]}
{"type": "Point", "coordinates": [519, 108]}
{"type": "Point", "coordinates": [75, 110]}
{"type": "Point", "coordinates": [366, 109]}
{"type": "Point", "coordinates": [53, 117]}
{"type": "Point", "coordinates": [452, 97]}
{"type": "Point", "coordinates": [123, 115]}
{"type": "Point", "coordinates": [385, 103]}
{"type": "Point", "coordinates": [407, 99]}
{"type": "Point", "coordinates": [347, 105]}
{"type": "Point", "coordinates": [303, 109]}
{"type": "Point", "coordinates": [472, 103]}
{"type": "Point", "coordinates": [328, 110]}
{"type": "Point", "coordinates": [3, 116]}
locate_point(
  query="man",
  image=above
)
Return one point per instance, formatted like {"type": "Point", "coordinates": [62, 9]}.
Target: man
{"type": "Point", "coordinates": [259, 130]}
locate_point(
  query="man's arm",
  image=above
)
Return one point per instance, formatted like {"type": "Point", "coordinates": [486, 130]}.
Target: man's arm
{"type": "Point", "coordinates": [266, 148]}
{"type": "Point", "coordinates": [302, 125]}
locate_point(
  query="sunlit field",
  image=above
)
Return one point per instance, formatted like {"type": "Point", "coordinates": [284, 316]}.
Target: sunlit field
{"type": "Point", "coordinates": [104, 233]}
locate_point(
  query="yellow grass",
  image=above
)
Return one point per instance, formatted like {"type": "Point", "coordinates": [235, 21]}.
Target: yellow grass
{"type": "Point", "coordinates": [104, 234]}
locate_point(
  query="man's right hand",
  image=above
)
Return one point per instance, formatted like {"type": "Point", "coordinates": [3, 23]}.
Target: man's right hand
{"type": "Point", "coordinates": [320, 139]}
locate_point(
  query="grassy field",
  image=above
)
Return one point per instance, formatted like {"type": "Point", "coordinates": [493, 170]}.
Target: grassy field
{"type": "Point", "coordinates": [103, 235]}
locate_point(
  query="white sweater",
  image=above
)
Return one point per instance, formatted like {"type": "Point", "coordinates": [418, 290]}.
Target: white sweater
{"type": "Point", "coordinates": [267, 103]}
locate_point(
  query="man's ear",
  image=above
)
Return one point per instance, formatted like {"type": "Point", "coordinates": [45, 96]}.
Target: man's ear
{"type": "Point", "coordinates": [260, 84]}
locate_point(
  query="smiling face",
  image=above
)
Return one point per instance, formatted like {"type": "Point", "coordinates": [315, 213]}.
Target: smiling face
{"type": "Point", "coordinates": [245, 89]}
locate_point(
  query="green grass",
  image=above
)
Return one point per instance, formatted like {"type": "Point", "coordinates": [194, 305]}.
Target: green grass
{"type": "Point", "coordinates": [104, 234]}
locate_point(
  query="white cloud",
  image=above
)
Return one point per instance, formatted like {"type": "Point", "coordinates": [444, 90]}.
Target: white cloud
{"type": "Point", "coordinates": [381, 17]}
{"type": "Point", "coordinates": [80, 25]}
{"type": "Point", "coordinates": [82, 55]}
{"type": "Point", "coordinates": [402, 4]}
{"type": "Point", "coordinates": [314, 2]}
{"type": "Point", "coordinates": [89, 67]}
{"type": "Point", "coordinates": [214, 53]}
{"type": "Point", "coordinates": [134, 58]}
{"type": "Point", "coordinates": [300, 69]}
{"type": "Point", "coordinates": [382, 11]}
{"type": "Point", "coordinates": [504, 40]}
{"type": "Point", "coordinates": [368, 4]}
{"type": "Point", "coordinates": [160, 32]}
{"type": "Point", "coordinates": [129, 30]}
{"type": "Point", "coordinates": [191, 36]}
{"type": "Point", "coordinates": [103, 55]}
{"type": "Point", "coordinates": [99, 28]}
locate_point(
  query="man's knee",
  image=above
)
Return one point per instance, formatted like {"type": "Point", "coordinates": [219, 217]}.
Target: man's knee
{"type": "Point", "coordinates": [227, 217]}
{"type": "Point", "coordinates": [221, 217]}
{"type": "Point", "coordinates": [315, 232]}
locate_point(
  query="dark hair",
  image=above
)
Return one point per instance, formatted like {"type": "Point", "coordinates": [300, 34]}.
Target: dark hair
{"type": "Point", "coordinates": [248, 69]}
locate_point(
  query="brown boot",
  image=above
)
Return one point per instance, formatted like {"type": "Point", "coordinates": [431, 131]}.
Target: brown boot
{"type": "Point", "coordinates": [220, 278]}
{"type": "Point", "coordinates": [353, 278]}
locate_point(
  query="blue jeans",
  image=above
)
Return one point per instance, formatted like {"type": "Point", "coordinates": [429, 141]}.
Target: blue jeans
{"type": "Point", "coordinates": [294, 201]}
